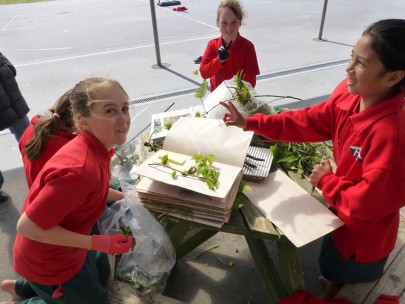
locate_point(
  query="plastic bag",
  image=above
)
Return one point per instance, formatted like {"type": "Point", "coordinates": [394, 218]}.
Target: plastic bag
{"type": "Point", "coordinates": [227, 90]}
{"type": "Point", "coordinates": [148, 266]}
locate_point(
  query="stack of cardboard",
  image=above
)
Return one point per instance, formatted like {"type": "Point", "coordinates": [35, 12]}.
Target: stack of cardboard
{"type": "Point", "coordinates": [190, 197]}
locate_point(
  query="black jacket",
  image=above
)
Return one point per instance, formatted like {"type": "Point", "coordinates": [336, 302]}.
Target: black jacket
{"type": "Point", "coordinates": [12, 104]}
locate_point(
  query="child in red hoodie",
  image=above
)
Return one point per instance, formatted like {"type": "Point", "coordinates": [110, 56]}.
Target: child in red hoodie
{"type": "Point", "coordinates": [364, 118]}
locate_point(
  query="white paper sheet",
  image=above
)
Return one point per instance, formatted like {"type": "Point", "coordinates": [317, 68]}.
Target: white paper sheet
{"type": "Point", "coordinates": [190, 135]}
{"type": "Point", "coordinates": [296, 213]}
{"type": "Point", "coordinates": [226, 179]}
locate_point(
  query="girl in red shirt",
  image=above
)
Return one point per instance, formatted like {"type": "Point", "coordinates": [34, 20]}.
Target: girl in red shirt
{"type": "Point", "coordinates": [365, 119]}
{"type": "Point", "coordinates": [230, 53]}
{"type": "Point", "coordinates": [54, 249]}
{"type": "Point", "coordinates": [45, 135]}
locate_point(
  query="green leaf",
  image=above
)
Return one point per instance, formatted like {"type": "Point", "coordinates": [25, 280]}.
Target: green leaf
{"type": "Point", "coordinates": [202, 90]}
{"type": "Point", "coordinates": [288, 158]}
{"type": "Point", "coordinates": [210, 158]}
{"type": "Point", "coordinates": [165, 159]}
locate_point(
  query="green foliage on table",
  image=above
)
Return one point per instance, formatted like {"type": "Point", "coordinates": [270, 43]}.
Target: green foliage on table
{"type": "Point", "coordinates": [203, 169]}
{"type": "Point", "coordinates": [299, 157]}
{"type": "Point", "coordinates": [206, 170]}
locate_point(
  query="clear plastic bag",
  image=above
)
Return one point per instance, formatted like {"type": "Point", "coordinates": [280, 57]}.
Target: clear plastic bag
{"type": "Point", "coordinates": [148, 266]}
{"type": "Point", "coordinates": [227, 91]}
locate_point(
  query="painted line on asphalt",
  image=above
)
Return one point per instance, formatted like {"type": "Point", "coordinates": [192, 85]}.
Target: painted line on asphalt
{"type": "Point", "coordinates": [110, 52]}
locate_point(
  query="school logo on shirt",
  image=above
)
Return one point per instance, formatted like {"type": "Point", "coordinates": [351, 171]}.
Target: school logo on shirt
{"type": "Point", "coordinates": [356, 152]}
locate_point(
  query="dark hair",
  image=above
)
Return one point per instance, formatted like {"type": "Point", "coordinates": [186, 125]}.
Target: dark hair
{"type": "Point", "coordinates": [85, 92]}
{"type": "Point", "coordinates": [234, 6]}
{"type": "Point", "coordinates": [49, 125]}
{"type": "Point", "coordinates": [388, 41]}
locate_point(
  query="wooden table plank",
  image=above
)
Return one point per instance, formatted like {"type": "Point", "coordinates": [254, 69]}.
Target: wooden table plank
{"type": "Point", "coordinates": [290, 267]}
{"type": "Point", "coordinates": [393, 280]}
{"type": "Point", "coordinates": [256, 221]}
{"type": "Point", "coordinates": [367, 292]}
{"type": "Point", "coordinates": [123, 293]}
{"type": "Point", "coordinates": [268, 274]}
{"type": "Point", "coordinates": [193, 242]}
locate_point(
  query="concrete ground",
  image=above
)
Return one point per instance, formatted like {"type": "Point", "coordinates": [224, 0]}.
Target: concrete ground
{"type": "Point", "coordinates": [57, 43]}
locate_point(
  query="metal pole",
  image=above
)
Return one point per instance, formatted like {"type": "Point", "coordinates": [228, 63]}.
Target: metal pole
{"type": "Point", "coordinates": [155, 32]}
{"type": "Point", "coordinates": [325, 5]}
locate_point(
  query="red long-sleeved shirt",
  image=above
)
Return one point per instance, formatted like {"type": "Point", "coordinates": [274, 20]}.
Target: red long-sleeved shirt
{"type": "Point", "coordinates": [242, 57]}
{"type": "Point", "coordinates": [367, 190]}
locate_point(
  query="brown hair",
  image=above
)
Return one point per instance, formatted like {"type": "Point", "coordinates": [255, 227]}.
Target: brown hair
{"type": "Point", "coordinates": [84, 93]}
{"type": "Point", "coordinates": [49, 125]}
{"type": "Point", "coordinates": [233, 5]}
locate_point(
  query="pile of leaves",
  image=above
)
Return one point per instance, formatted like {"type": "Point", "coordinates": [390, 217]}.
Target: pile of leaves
{"type": "Point", "coordinates": [300, 157]}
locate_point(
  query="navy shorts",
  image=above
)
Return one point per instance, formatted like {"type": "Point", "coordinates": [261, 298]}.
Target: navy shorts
{"type": "Point", "coordinates": [336, 269]}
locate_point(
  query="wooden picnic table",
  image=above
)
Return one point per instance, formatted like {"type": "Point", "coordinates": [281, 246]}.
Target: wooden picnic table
{"type": "Point", "coordinates": [186, 235]}
{"type": "Point", "coordinates": [256, 228]}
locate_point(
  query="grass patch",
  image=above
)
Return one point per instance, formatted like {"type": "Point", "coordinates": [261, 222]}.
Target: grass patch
{"type": "Point", "coordinates": [19, 1]}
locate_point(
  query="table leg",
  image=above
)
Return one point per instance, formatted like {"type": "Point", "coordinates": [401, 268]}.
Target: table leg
{"type": "Point", "coordinates": [177, 231]}
{"type": "Point", "coordinates": [193, 242]}
{"type": "Point", "coordinates": [291, 272]}
{"type": "Point", "coordinates": [270, 278]}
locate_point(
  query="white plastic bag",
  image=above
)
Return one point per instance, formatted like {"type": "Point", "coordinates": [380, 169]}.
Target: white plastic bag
{"type": "Point", "coordinates": [226, 91]}
{"type": "Point", "coordinates": [148, 266]}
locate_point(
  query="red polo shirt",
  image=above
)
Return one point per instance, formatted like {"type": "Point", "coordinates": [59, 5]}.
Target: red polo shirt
{"type": "Point", "coordinates": [70, 191]}
{"type": "Point", "coordinates": [54, 143]}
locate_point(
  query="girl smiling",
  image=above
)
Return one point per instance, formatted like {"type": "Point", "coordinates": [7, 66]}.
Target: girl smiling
{"type": "Point", "coordinates": [54, 251]}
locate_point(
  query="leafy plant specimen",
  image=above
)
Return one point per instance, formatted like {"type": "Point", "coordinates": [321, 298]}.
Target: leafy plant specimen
{"type": "Point", "coordinates": [127, 231]}
{"type": "Point", "coordinates": [299, 157]}
{"type": "Point", "coordinates": [202, 90]}
{"type": "Point", "coordinates": [202, 169]}
{"type": "Point", "coordinates": [243, 96]}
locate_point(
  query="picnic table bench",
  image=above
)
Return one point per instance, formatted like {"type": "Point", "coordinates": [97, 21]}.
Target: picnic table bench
{"type": "Point", "coordinates": [123, 293]}
{"type": "Point", "coordinates": [391, 283]}
{"type": "Point", "coordinates": [249, 222]}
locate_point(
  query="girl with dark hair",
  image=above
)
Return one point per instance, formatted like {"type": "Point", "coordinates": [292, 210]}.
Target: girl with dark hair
{"type": "Point", "coordinates": [56, 255]}
{"type": "Point", "coordinates": [365, 119]}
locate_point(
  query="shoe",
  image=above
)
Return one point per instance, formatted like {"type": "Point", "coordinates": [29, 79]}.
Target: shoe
{"type": "Point", "coordinates": [3, 196]}
{"type": "Point", "coordinates": [198, 60]}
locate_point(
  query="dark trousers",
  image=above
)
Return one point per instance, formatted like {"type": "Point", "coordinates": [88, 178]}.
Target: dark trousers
{"type": "Point", "coordinates": [85, 287]}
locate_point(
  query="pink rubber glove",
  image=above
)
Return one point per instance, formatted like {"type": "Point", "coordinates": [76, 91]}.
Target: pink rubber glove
{"type": "Point", "coordinates": [111, 244]}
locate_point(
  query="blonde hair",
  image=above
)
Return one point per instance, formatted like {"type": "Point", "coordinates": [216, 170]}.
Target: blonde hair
{"type": "Point", "coordinates": [233, 5]}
